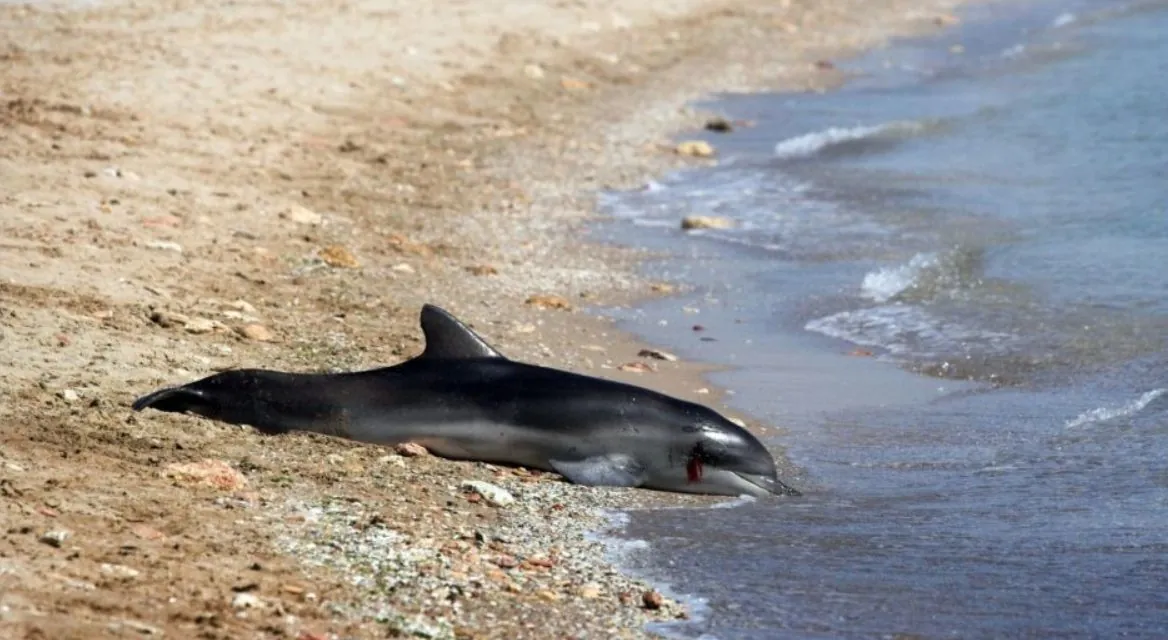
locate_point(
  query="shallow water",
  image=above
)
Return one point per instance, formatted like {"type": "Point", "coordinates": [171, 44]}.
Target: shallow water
{"type": "Point", "coordinates": [992, 226]}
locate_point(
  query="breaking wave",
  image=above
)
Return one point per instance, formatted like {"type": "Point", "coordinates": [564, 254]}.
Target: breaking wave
{"type": "Point", "coordinates": [1104, 414]}
{"type": "Point", "coordinates": [810, 144]}
{"type": "Point", "coordinates": [925, 276]}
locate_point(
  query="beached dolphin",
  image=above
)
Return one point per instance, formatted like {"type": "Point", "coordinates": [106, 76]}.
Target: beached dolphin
{"type": "Point", "coordinates": [462, 399]}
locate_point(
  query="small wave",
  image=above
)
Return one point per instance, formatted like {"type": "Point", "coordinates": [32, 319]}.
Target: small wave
{"type": "Point", "coordinates": [809, 144]}
{"type": "Point", "coordinates": [1104, 414]}
{"type": "Point", "coordinates": [906, 331]}
{"type": "Point", "coordinates": [925, 276]}
{"type": "Point", "coordinates": [1063, 20]}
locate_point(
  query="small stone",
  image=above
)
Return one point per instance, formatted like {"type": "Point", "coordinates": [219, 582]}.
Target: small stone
{"type": "Point", "coordinates": [549, 596]}
{"type": "Point", "coordinates": [946, 20]}
{"type": "Point", "coordinates": [410, 450]}
{"type": "Point", "coordinates": [257, 332]}
{"type": "Point", "coordinates": [706, 222]}
{"type": "Point", "coordinates": [55, 538]}
{"type": "Point", "coordinates": [652, 600]}
{"type": "Point", "coordinates": [213, 473]}
{"type": "Point", "coordinates": [824, 65]}
{"type": "Point", "coordinates": [146, 532]}
{"type": "Point", "coordinates": [338, 256]}
{"type": "Point", "coordinates": [246, 601]}
{"type": "Point", "coordinates": [534, 71]}
{"type": "Point", "coordinates": [243, 306]}
{"type": "Point", "coordinates": [119, 571]}
{"type": "Point", "coordinates": [70, 395]}
{"type": "Point", "coordinates": [589, 591]}
{"type": "Point", "coordinates": [494, 495]}
{"type": "Point", "coordinates": [573, 84]}
{"type": "Point", "coordinates": [165, 246]}
{"type": "Point", "coordinates": [505, 562]}
{"type": "Point", "coordinates": [302, 215]}
{"type": "Point", "coordinates": [662, 287]}
{"type": "Point", "coordinates": [720, 125]}
{"type": "Point", "coordinates": [657, 355]}
{"type": "Point", "coordinates": [167, 319]}
{"type": "Point", "coordinates": [200, 325]}
{"type": "Point", "coordinates": [544, 301]}
{"type": "Point", "coordinates": [402, 267]}
{"type": "Point", "coordinates": [695, 149]}
{"type": "Point", "coordinates": [482, 270]}
{"type": "Point", "coordinates": [637, 367]}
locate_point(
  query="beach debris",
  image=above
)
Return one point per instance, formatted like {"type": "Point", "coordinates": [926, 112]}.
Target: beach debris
{"type": "Point", "coordinates": [55, 538]}
{"type": "Point", "coordinates": [494, 495]}
{"type": "Point", "coordinates": [637, 367]}
{"type": "Point", "coordinates": [70, 395]}
{"type": "Point", "coordinates": [720, 125]}
{"type": "Point", "coordinates": [336, 255]}
{"type": "Point", "coordinates": [505, 561]}
{"type": "Point", "coordinates": [589, 591]}
{"type": "Point", "coordinates": [689, 223]}
{"type": "Point", "coordinates": [301, 215]}
{"type": "Point", "coordinates": [860, 352]}
{"type": "Point", "coordinates": [545, 301]}
{"type": "Point", "coordinates": [410, 450]}
{"type": "Point", "coordinates": [257, 332]}
{"type": "Point", "coordinates": [824, 65]}
{"type": "Point", "coordinates": [695, 149]}
{"type": "Point", "coordinates": [162, 245]}
{"type": "Point", "coordinates": [201, 325]}
{"type": "Point", "coordinates": [207, 472]}
{"type": "Point", "coordinates": [481, 270]}
{"type": "Point", "coordinates": [652, 600]}
{"type": "Point", "coordinates": [403, 267]}
{"type": "Point", "coordinates": [534, 71]}
{"type": "Point", "coordinates": [657, 354]}
{"type": "Point", "coordinates": [662, 287]}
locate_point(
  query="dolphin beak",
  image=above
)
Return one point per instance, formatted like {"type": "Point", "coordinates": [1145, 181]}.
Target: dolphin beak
{"type": "Point", "coordinates": [768, 484]}
{"type": "Point", "coordinates": [172, 399]}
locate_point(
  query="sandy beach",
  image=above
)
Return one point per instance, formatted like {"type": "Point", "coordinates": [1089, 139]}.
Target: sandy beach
{"type": "Point", "coordinates": [194, 186]}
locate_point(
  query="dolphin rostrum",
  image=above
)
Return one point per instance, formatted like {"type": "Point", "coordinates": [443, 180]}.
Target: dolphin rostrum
{"type": "Point", "coordinates": [462, 399]}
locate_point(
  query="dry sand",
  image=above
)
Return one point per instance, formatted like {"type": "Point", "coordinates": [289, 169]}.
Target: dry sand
{"type": "Point", "coordinates": [189, 186]}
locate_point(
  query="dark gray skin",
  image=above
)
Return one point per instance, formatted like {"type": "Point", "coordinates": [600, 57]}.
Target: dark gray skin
{"type": "Point", "coordinates": [462, 399]}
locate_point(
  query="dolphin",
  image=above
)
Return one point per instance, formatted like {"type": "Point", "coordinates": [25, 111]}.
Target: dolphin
{"type": "Point", "coordinates": [464, 400]}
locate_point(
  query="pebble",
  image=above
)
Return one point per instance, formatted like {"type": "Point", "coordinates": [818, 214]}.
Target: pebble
{"type": "Point", "coordinates": [70, 395]}
{"type": "Point", "coordinates": [533, 71]}
{"type": "Point", "coordinates": [657, 355]}
{"type": "Point", "coordinates": [589, 591]}
{"type": "Point", "coordinates": [482, 270]}
{"type": "Point", "coordinates": [167, 319]}
{"type": "Point", "coordinates": [214, 473]}
{"type": "Point", "coordinates": [720, 125]}
{"type": "Point", "coordinates": [199, 325]}
{"type": "Point", "coordinates": [410, 450]}
{"type": "Point", "coordinates": [695, 149]}
{"type": "Point", "coordinates": [652, 600]}
{"type": "Point", "coordinates": [257, 332]}
{"type": "Point", "coordinates": [403, 267]}
{"type": "Point", "coordinates": [120, 571]}
{"type": "Point", "coordinates": [338, 256]}
{"type": "Point", "coordinates": [706, 222]}
{"type": "Point", "coordinates": [302, 215]}
{"type": "Point", "coordinates": [545, 301]}
{"type": "Point", "coordinates": [637, 367]}
{"type": "Point", "coordinates": [246, 601]}
{"type": "Point", "coordinates": [494, 495]}
{"type": "Point", "coordinates": [55, 538]}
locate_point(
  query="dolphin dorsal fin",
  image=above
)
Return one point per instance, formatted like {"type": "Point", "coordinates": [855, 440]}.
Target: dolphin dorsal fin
{"type": "Point", "coordinates": [449, 339]}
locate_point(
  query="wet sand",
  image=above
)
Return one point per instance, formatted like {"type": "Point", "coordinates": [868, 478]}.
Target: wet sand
{"type": "Point", "coordinates": [195, 186]}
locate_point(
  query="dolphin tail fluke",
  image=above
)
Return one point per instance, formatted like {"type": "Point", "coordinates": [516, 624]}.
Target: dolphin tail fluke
{"type": "Point", "coordinates": [172, 400]}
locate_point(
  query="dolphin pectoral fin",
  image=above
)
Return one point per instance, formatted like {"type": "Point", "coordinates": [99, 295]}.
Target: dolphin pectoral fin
{"type": "Point", "coordinates": [449, 339]}
{"type": "Point", "coordinates": [601, 471]}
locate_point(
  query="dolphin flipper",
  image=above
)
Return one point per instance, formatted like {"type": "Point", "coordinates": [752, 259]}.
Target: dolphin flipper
{"type": "Point", "coordinates": [614, 470]}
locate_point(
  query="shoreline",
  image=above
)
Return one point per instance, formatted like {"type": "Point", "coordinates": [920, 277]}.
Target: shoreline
{"type": "Point", "coordinates": [148, 182]}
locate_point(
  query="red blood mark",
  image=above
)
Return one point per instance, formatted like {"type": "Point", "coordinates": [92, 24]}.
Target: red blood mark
{"type": "Point", "coordinates": [694, 469]}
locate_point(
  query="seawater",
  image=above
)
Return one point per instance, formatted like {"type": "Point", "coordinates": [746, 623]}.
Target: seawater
{"type": "Point", "coordinates": [949, 282]}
